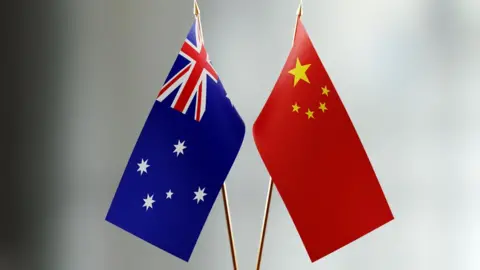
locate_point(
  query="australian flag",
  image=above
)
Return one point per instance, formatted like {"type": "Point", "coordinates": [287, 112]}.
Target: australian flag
{"type": "Point", "coordinates": [182, 157]}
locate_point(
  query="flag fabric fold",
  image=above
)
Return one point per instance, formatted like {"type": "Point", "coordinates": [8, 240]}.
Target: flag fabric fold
{"type": "Point", "coordinates": [315, 157]}
{"type": "Point", "coordinates": [183, 155]}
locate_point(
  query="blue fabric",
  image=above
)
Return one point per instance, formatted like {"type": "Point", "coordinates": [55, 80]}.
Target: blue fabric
{"type": "Point", "coordinates": [174, 224]}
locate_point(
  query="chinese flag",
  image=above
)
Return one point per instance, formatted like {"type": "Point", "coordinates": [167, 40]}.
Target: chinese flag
{"type": "Point", "coordinates": [315, 157]}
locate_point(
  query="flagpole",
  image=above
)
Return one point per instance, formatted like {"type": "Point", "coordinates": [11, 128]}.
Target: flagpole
{"type": "Point", "coordinates": [229, 227]}
{"type": "Point", "coordinates": [264, 225]}
{"type": "Point", "coordinates": [196, 12]}
{"type": "Point", "coordinates": [270, 185]}
{"type": "Point", "coordinates": [299, 14]}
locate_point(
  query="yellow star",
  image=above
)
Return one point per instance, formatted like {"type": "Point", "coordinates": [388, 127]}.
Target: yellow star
{"type": "Point", "coordinates": [309, 114]}
{"type": "Point", "coordinates": [295, 107]}
{"type": "Point", "coordinates": [325, 91]}
{"type": "Point", "coordinates": [299, 72]}
{"type": "Point", "coordinates": [323, 106]}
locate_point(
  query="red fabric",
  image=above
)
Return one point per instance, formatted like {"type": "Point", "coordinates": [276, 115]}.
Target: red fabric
{"type": "Point", "coordinates": [318, 165]}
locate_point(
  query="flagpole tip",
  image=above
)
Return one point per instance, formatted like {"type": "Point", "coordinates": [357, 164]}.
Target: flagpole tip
{"type": "Point", "coordinates": [196, 9]}
{"type": "Point", "coordinates": [300, 9]}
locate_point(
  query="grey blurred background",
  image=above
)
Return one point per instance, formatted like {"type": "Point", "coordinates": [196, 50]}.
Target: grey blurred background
{"type": "Point", "coordinates": [81, 77]}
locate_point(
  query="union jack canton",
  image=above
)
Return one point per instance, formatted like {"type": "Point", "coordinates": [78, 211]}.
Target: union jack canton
{"type": "Point", "coordinates": [182, 157]}
{"type": "Point", "coordinates": [191, 75]}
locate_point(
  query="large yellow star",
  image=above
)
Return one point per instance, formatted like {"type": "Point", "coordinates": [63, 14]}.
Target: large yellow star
{"type": "Point", "coordinates": [323, 106]}
{"type": "Point", "coordinates": [325, 91]}
{"type": "Point", "coordinates": [309, 114]}
{"type": "Point", "coordinates": [299, 72]}
{"type": "Point", "coordinates": [295, 107]}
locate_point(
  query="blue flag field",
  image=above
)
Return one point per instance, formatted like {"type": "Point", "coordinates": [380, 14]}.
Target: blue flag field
{"type": "Point", "coordinates": [183, 155]}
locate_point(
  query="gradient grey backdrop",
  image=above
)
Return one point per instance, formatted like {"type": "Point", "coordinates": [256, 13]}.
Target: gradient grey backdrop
{"type": "Point", "coordinates": [84, 75]}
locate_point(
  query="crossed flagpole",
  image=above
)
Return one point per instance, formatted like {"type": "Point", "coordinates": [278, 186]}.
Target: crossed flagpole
{"type": "Point", "coordinates": [196, 12]}
{"type": "Point", "coordinates": [362, 205]}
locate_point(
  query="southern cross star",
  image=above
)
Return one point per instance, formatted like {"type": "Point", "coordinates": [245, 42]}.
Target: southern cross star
{"type": "Point", "coordinates": [169, 194]}
{"type": "Point", "coordinates": [199, 195]}
{"type": "Point", "coordinates": [142, 167]}
{"type": "Point", "coordinates": [179, 147]}
{"type": "Point", "coordinates": [148, 202]}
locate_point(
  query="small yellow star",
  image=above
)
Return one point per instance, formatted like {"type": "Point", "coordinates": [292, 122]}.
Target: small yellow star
{"type": "Point", "coordinates": [295, 107]}
{"type": "Point", "coordinates": [309, 114]}
{"type": "Point", "coordinates": [325, 91]}
{"type": "Point", "coordinates": [299, 72]}
{"type": "Point", "coordinates": [323, 106]}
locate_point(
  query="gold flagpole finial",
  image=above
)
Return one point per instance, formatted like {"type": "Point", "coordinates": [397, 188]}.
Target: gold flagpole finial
{"type": "Point", "coordinates": [299, 14]}
{"type": "Point", "coordinates": [196, 10]}
{"type": "Point", "coordinates": [300, 9]}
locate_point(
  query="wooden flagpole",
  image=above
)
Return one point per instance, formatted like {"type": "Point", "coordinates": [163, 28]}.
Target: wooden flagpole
{"type": "Point", "coordinates": [229, 227]}
{"type": "Point", "coordinates": [270, 186]}
{"type": "Point", "coordinates": [196, 12]}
